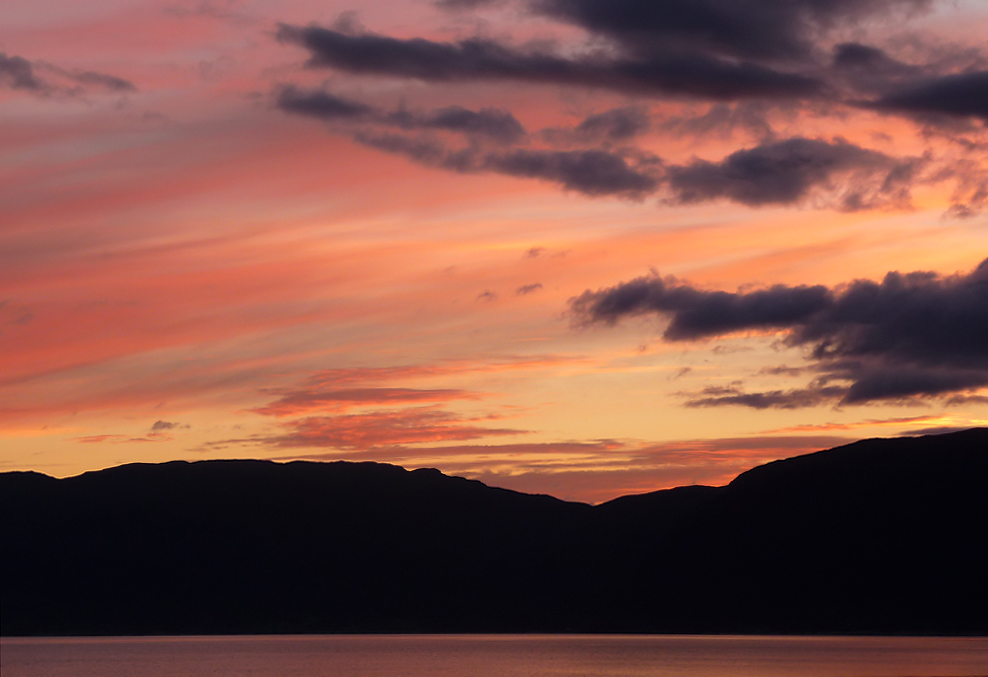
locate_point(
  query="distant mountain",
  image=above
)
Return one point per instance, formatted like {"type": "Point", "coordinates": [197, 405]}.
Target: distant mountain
{"type": "Point", "coordinates": [884, 536]}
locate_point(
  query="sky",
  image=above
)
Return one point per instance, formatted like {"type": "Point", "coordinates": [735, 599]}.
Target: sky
{"type": "Point", "coordinates": [578, 247]}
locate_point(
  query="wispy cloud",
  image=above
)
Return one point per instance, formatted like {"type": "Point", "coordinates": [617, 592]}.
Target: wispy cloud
{"type": "Point", "coordinates": [44, 78]}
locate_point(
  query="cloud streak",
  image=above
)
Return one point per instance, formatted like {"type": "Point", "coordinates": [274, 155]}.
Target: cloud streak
{"type": "Point", "coordinates": [362, 431]}
{"type": "Point", "coordinates": [317, 399]}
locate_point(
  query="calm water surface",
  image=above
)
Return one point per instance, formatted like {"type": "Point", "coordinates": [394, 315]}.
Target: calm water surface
{"type": "Point", "coordinates": [494, 656]}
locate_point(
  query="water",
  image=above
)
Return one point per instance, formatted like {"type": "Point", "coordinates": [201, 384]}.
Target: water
{"type": "Point", "coordinates": [494, 656]}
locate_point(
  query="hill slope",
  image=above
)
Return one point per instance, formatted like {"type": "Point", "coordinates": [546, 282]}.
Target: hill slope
{"type": "Point", "coordinates": [881, 536]}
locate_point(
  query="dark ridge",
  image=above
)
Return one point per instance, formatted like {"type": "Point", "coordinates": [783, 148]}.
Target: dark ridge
{"type": "Point", "coordinates": [883, 536]}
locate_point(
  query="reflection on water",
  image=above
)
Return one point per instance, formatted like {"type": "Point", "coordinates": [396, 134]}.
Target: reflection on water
{"type": "Point", "coordinates": [494, 656]}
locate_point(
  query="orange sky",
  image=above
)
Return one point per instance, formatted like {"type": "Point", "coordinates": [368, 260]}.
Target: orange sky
{"type": "Point", "coordinates": [189, 269]}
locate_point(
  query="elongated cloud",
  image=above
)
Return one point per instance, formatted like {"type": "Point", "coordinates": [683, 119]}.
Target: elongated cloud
{"type": "Point", "coordinates": [959, 95]}
{"type": "Point", "coordinates": [493, 123]}
{"type": "Point", "coordinates": [715, 50]}
{"type": "Point", "coordinates": [768, 29]}
{"type": "Point", "coordinates": [322, 105]}
{"type": "Point", "coordinates": [591, 172]}
{"type": "Point", "coordinates": [913, 334]}
{"type": "Point", "coordinates": [526, 289]}
{"type": "Point", "coordinates": [787, 171]}
{"type": "Point", "coordinates": [762, 56]}
{"type": "Point", "coordinates": [694, 74]}
{"type": "Point", "coordinates": [836, 173]}
{"type": "Point", "coordinates": [700, 314]}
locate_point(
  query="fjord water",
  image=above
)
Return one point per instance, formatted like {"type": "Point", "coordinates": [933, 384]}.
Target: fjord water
{"type": "Point", "coordinates": [494, 656]}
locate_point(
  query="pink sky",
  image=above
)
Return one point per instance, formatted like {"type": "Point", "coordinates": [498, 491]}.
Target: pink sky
{"type": "Point", "coordinates": [217, 241]}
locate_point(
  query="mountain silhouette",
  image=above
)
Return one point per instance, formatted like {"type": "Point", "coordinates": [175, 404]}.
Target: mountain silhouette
{"type": "Point", "coordinates": [883, 536]}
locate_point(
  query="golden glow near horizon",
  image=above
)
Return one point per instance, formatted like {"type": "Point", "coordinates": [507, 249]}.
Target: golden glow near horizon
{"type": "Point", "coordinates": [191, 268]}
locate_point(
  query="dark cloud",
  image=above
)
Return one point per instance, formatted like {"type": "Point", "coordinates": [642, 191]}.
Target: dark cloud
{"type": "Point", "coordinates": [836, 174]}
{"type": "Point", "coordinates": [159, 428]}
{"type": "Point", "coordinates": [951, 83]}
{"type": "Point", "coordinates": [710, 77]}
{"type": "Point", "coordinates": [320, 104]}
{"type": "Point", "coordinates": [870, 69]}
{"type": "Point", "coordinates": [938, 430]}
{"type": "Point", "coordinates": [524, 290]}
{"type": "Point", "coordinates": [783, 370]}
{"type": "Point", "coordinates": [762, 29]}
{"type": "Point", "coordinates": [591, 172]}
{"type": "Point", "coordinates": [786, 172]}
{"type": "Point", "coordinates": [723, 119]}
{"type": "Point", "coordinates": [100, 81]}
{"type": "Point", "coordinates": [18, 73]}
{"type": "Point", "coordinates": [910, 335]}
{"type": "Point", "coordinates": [619, 124]}
{"type": "Point", "coordinates": [958, 95]}
{"type": "Point", "coordinates": [473, 59]}
{"type": "Point", "coordinates": [692, 74]}
{"type": "Point", "coordinates": [746, 58]}
{"type": "Point", "coordinates": [424, 150]}
{"type": "Point", "coordinates": [889, 379]}
{"type": "Point", "coordinates": [493, 123]}
{"type": "Point", "coordinates": [699, 314]}
{"type": "Point", "coordinates": [463, 5]}
{"type": "Point", "coordinates": [768, 51]}
{"type": "Point", "coordinates": [967, 399]}
{"type": "Point", "coordinates": [775, 399]}
{"type": "Point", "coordinates": [831, 174]}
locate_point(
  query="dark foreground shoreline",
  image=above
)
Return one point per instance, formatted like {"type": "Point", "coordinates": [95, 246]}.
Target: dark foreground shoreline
{"type": "Point", "coordinates": [881, 537]}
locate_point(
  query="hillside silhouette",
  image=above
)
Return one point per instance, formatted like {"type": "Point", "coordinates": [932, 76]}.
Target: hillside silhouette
{"type": "Point", "coordinates": [883, 536]}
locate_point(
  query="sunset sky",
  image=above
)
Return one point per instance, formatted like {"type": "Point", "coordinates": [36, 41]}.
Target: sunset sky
{"type": "Point", "coordinates": [576, 247]}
